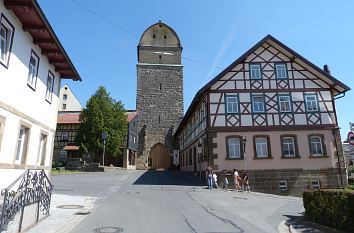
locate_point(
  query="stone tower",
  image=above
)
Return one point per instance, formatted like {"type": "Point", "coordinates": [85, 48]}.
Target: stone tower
{"type": "Point", "coordinates": [159, 94]}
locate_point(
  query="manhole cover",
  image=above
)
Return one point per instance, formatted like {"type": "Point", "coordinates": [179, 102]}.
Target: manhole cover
{"type": "Point", "coordinates": [108, 230]}
{"type": "Point", "coordinates": [70, 207]}
{"type": "Point", "coordinates": [82, 213]}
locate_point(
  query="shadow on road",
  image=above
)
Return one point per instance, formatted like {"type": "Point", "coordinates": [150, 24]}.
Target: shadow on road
{"type": "Point", "coordinates": [168, 178]}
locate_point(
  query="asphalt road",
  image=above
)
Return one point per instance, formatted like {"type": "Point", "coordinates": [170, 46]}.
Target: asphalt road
{"type": "Point", "coordinates": [169, 202]}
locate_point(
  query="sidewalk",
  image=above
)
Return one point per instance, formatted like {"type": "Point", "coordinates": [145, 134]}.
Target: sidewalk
{"type": "Point", "coordinates": [64, 220]}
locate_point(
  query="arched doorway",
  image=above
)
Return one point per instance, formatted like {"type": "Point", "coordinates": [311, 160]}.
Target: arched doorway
{"type": "Point", "coordinates": [160, 157]}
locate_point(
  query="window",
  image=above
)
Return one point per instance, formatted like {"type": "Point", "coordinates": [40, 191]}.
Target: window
{"type": "Point", "coordinates": [283, 185]}
{"type": "Point", "coordinates": [64, 136]}
{"type": "Point", "coordinates": [65, 97]}
{"type": "Point", "coordinates": [289, 146]}
{"type": "Point", "coordinates": [50, 86]}
{"type": "Point", "coordinates": [42, 149]}
{"type": "Point", "coordinates": [315, 184]}
{"type": "Point", "coordinates": [281, 71]}
{"type": "Point", "coordinates": [311, 102]}
{"type": "Point", "coordinates": [234, 147]}
{"type": "Point", "coordinates": [261, 147]}
{"type": "Point", "coordinates": [6, 36]}
{"type": "Point", "coordinates": [255, 71]}
{"type": "Point", "coordinates": [284, 103]}
{"type": "Point", "coordinates": [231, 104]}
{"type": "Point", "coordinates": [33, 70]}
{"type": "Point", "coordinates": [64, 106]}
{"type": "Point", "coordinates": [317, 147]}
{"type": "Point", "coordinates": [63, 154]}
{"type": "Point", "coordinates": [22, 145]}
{"type": "Point", "coordinates": [258, 103]}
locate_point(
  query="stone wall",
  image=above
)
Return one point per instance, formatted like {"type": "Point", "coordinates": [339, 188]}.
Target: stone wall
{"type": "Point", "coordinates": [267, 181]}
{"type": "Point", "coordinates": [159, 105]}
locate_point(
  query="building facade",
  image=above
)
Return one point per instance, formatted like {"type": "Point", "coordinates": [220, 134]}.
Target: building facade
{"type": "Point", "coordinates": [159, 95]}
{"type": "Point", "coordinates": [68, 124]}
{"type": "Point", "coordinates": [272, 113]}
{"type": "Point", "coordinates": [32, 64]}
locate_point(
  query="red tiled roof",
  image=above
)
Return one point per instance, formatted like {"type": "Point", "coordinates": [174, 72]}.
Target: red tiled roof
{"type": "Point", "coordinates": [130, 116]}
{"type": "Point", "coordinates": [71, 118]}
{"type": "Point", "coordinates": [71, 148]}
{"type": "Point", "coordinates": [74, 118]}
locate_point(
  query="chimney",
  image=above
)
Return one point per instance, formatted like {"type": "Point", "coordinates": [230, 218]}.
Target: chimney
{"type": "Point", "coordinates": [326, 69]}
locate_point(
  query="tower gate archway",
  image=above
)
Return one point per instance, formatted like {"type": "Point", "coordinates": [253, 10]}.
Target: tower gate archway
{"type": "Point", "coordinates": [160, 157]}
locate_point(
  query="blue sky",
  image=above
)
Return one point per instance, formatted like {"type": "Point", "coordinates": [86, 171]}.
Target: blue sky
{"type": "Point", "coordinates": [101, 37]}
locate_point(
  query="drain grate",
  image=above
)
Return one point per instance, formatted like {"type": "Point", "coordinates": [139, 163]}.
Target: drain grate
{"type": "Point", "coordinates": [70, 207]}
{"type": "Point", "coordinates": [108, 230]}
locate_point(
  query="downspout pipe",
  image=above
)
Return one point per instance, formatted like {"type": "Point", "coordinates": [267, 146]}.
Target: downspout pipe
{"type": "Point", "coordinates": [339, 165]}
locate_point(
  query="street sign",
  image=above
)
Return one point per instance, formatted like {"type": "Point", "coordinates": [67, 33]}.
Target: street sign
{"type": "Point", "coordinates": [104, 135]}
{"type": "Point", "coordinates": [351, 138]}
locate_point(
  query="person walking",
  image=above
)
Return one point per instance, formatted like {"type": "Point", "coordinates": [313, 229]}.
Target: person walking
{"type": "Point", "coordinates": [226, 182]}
{"type": "Point", "coordinates": [245, 182]}
{"type": "Point", "coordinates": [209, 177]}
{"type": "Point", "coordinates": [215, 180]}
{"type": "Point", "coordinates": [236, 181]}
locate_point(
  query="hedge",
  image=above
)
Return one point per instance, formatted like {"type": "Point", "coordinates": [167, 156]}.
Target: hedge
{"type": "Point", "coordinates": [330, 207]}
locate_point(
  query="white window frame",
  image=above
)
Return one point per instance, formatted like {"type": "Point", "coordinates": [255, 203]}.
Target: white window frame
{"type": "Point", "coordinates": [257, 104]}
{"type": "Point", "coordinates": [42, 149]}
{"type": "Point", "coordinates": [255, 71]}
{"type": "Point", "coordinates": [64, 136]}
{"type": "Point", "coordinates": [286, 102]}
{"type": "Point", "coordinates": [283, 185]}
{"type": "Point", "coordinates": [22, 141]}
{"type": "Point", "coordinates": [281, 71]}
{"type": "Point", "coordinates": [318, 145]}
{"type": "Point", "coordinates": [33, 70]}
{"type": "Point", "coordinates": [6, 40]}
{"type": "Point", "coordinates": [231, 106]}
{"type": "Point", "coordinates": [311, 103]}
{"type": "Point", "coordinates": [65, 97]}
{"type": "Point", "coordinates": [233, 147]}
{"type": "Point", "coordinates": [50, 87]}
{"type": "Point", "coordinates": [288, 144]}
{"type": "Point", "coordinates": [260, 147]}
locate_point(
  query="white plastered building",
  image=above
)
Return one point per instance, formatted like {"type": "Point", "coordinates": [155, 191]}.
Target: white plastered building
{"type": "Point", "coordinates": [32, 64]}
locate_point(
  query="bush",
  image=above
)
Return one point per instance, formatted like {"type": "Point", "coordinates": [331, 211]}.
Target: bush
{"type": "Point", "coordinates": [57, 164]}
{"type": "Point", "coordinates": [330, 207]}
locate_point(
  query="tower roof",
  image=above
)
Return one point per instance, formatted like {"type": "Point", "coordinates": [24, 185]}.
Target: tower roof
{"type": "Point", "coordinates": [160, 34]}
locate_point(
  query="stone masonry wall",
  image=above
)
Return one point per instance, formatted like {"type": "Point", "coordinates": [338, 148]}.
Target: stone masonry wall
{"type": "Point", "coordinates": [159, 105]}
{"type": "Point", "coordinates": [267, 181]}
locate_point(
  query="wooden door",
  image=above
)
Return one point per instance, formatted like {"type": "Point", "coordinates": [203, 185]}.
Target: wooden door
{"type": "Point", "coordinates": [160, 157]}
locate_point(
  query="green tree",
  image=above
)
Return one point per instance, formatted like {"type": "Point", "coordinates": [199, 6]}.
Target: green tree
{"type": "Point", "coordinates": [102, 113]}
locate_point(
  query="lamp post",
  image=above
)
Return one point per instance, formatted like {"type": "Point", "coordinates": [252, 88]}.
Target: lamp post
{"type": "Point", "coordinates": [104, 137]}
{"type": "Point", "coordinates": [244, 139]}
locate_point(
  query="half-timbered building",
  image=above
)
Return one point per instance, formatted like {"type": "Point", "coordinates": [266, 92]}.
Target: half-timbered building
{"type": "Point", "coordinates": [272, 113]}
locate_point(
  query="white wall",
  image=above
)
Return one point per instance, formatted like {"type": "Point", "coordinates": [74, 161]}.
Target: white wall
{"type": "Point", "coordinates": [21, 104]}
